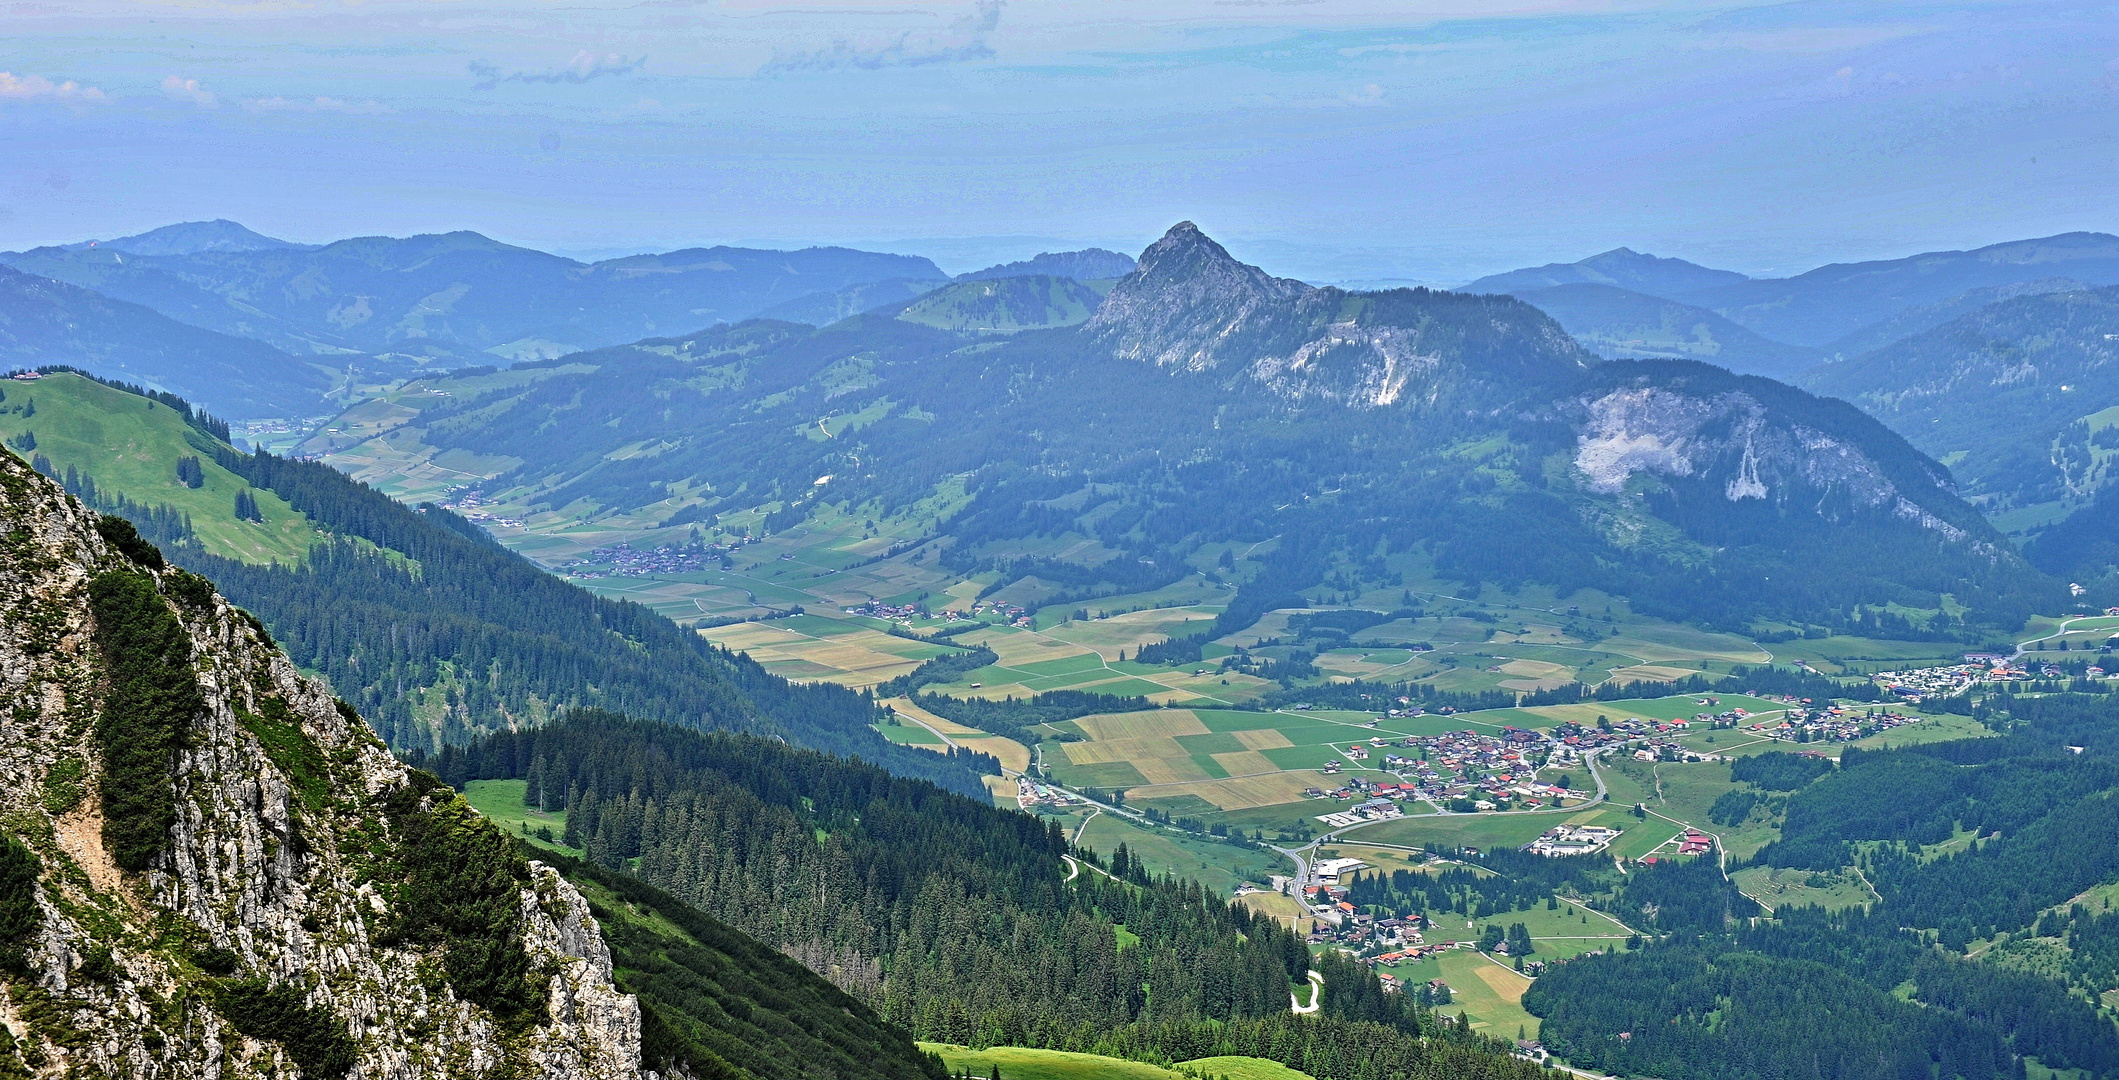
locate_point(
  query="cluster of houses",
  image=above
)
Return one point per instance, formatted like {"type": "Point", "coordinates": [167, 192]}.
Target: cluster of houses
{"type": "Point", "coordinates": [1565, 840]}
{"type": "Point", "coordinates": [1015, 616]}
{"type": "Point", "coordinates": [1806, 722]}
{"type": "Point", "coordinates": [471, 506]}
{"type": "Point", "coordinates": [1030, 793]}
{"type": "Point", "coordinates": [1487, 769]}
{"type": "Point", "coordinates": [1920, 684]}
{"type": "Point", "coordinates": [900, 613]}
{"type": "Point", "coordinates": [625, 560]}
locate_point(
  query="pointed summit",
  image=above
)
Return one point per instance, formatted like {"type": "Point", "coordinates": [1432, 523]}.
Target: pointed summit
{"type": "Point", "coordinates": [1188, 297]}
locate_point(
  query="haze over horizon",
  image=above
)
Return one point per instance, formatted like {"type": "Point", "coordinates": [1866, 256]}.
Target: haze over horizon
{"type": "Point", "coordinates": [1766, 138]}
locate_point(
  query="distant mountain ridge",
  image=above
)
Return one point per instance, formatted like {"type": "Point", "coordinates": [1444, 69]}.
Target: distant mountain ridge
{"type": "Point", "coordinates": [189, 238]}
{"type": "Point", "coordinates": [1831, 302]}
{"type": "Point", "coordinates": [1621, 268]}
{"type": "Point", "coordinates": [1628, 325]}
{"type": "Point", "coordinates": [453, 296]}
{"type": "Point", "coordinates": [1088, 264]}
{"type": "Point", "coordinates": [50, 322]}
{"type": "Point", "coordinates": [1190, 306]}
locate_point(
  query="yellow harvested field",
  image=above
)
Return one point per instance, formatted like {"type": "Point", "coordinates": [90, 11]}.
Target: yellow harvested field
{"type": "Point", "coordinates": [905, 707]}
{"type": "Point", "coordinates": [1014, 756]}
{"type": "Point", "coordinates": [1283, 908]}
{"type": "Point", "coordinates": [1650, 673]}
{"type": "Point", "coordinates": [1105, 751]}
{"type": "Point", "coordinates": [1018, 647]}
{"type": "Point", "coordinates": [1002, 789]}
{"type": "Point", "coordinates": [1245, 763]}
{"type": "Point", "coordinates": [743, 637]}
{"type": "Point", "coordinates": [1169, 770]}
{"type": "Point", "coordinates": [1533, 669]}
{"type": "Point", "coordinates": [1508, 985]}
{"type": "Point", "coordinates": [1163, 723]}
{"type": "Point", "coordinates": [1128, 632]}
{"type": "Point", "coordinates": [1682, 643]}
{"type": "Point", "coordinates": [1240, 794]}
{"type": "Point", "coordinates": [1263, 739]}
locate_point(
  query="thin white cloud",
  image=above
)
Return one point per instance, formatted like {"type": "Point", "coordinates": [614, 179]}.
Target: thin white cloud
{"type": "Point", "coordinates": [182, 89]}
{"type": "Point", "coordinates": [964, 39]}
{"type": "Point", "coordinates": [316, 105]}
{"type": "Point", "coordinates": [38, 88]}
{"type": "Point", "coordinates": [584, 66]}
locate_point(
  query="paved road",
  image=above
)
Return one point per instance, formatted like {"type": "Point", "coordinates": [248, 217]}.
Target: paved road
{"type": "Point", "coordinates": [1316, 997]}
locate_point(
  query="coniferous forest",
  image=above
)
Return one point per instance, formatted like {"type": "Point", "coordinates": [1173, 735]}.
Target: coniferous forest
{"type": "Point", "coordinates": [960, 921]}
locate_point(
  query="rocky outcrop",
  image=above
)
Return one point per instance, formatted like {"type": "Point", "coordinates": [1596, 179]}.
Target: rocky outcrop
{"type": "Point", "coordinates": [1736, 440]}
{"type": "Point", "coordinates": [1192, 307]}
{"type": "Point", "coordinates": [283, 928]}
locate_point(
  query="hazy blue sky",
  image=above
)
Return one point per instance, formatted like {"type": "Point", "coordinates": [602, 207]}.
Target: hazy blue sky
{"type": "Point", "coordinates": [1331, 139]}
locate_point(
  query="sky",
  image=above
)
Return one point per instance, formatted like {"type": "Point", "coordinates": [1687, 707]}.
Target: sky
{"type": "Point", "coordinates": [1334, 140]}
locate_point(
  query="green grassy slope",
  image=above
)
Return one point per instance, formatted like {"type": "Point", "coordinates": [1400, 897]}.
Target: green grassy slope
{"type": "Point", "coordinates": [130, 445]}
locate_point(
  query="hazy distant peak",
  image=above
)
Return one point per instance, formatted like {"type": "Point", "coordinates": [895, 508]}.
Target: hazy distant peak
{"type": "Point", "coordinates": [1088, 264]}
{"type": "Point", "coordinates": [1625, 268]}
{"type": "Point", "coordinates": [2066, 247]}
{"type": "Point", "coordinates": [191, 238]}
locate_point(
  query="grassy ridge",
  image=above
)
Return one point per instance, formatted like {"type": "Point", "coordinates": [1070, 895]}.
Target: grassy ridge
{"type": "Point", "coordinates": [130, 445]}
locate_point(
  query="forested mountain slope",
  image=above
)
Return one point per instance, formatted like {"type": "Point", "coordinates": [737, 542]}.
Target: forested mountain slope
{"type": "Point", "coordinates": [434, 631]}
{"type": "Point", "coordinates": [960, 921]}
{"type": "Point", "coordinates": [457, 294]}
{"type": "Point", "coordinates": [1831, 302]}
{"type": "Point", "coordinates": [1613, 322]}
{"type": "Point", "coordinates": [50, 322]}
{"type": "Point", "coordinates": [2019, 387]}
{"type": "Point", "coordinates": [1207, 402]}
{"type": "Point", "coordinates": [210, 866]}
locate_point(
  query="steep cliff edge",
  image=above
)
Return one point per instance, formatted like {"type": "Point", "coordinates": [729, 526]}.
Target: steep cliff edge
{"type": "Point", "coordinates": [211, 868]}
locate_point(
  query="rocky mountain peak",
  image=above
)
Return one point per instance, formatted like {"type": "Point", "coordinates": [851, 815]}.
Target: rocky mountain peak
{"type": "Point", "coordinates": [1188, 298]}
{"type": "Point", "coordinates": [211, 867]}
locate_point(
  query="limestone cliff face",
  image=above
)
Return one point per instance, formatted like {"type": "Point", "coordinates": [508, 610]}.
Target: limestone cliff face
{"type": "Point", "coordinates": [1192, 307]}
{"type": "Point", "coordinates": [1734, 440]}
{"type": "Point", "coordinates": [277, 929]}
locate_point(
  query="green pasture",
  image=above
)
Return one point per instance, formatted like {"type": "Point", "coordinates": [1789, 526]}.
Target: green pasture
{"type": "Point", "coordinates": [1220, 867]}
{"type": "Point", "coordinates": [131, 444]}
{"type": "Point", "coordinates": [1019, 1063]}
{"type": "Point", "coordinates": [1243, 1068]}
{"type": "Point", "coordinates": [1777, 888]}
{"type": "Point", "coordinates": [500, 801]}
{"type": "Point", "coordinates": [1492, 1011]}
{"type": "Point", "coordinates": [1482, 831]}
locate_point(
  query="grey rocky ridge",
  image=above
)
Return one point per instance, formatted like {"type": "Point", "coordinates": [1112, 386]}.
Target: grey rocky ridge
{"type": "Point", "coordinates": [211, 868]}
